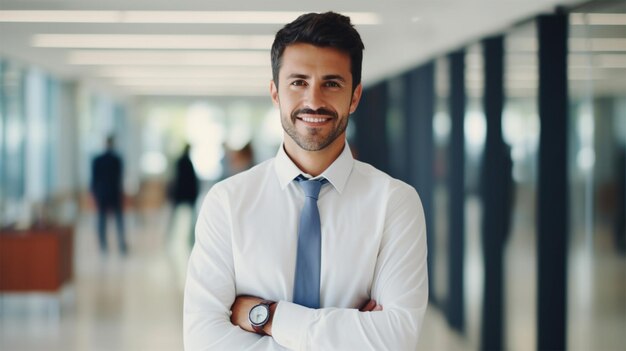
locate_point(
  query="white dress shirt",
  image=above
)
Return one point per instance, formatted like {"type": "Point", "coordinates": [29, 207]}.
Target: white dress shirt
{"type": "Point", "coordinates": [373, 246]}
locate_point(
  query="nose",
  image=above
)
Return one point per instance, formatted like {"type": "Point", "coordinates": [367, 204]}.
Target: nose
{"type": "Point", "coordinates": [314, 97]}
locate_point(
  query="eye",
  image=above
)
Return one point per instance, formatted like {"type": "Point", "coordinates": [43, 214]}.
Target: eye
{"type": "Point", "coordinates": [332, 84]}
{"type": "Point", "coordinates": [299, 83]}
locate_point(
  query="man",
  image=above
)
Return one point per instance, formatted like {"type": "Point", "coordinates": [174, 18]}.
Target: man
{"type": "Point", "coordinates": [247, 264]}
{"type": "Point", "coordinates": [106, 186]}
{"type": "Point", "coordinates": [185, 185]}
{"type": "Point", "coordinates": [184, 192]}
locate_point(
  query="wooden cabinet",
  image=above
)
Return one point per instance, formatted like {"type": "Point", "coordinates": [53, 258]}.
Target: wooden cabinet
{"type": "Point", "coordinates": [36, 259]}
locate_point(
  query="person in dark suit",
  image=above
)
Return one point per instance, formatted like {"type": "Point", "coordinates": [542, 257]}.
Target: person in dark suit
{"type": "Point", "coordinates": [185, 186]}
{"type": "Point", "coordinates": [106, 186]}
{"type": "Point", "coordinates": [183, 193]}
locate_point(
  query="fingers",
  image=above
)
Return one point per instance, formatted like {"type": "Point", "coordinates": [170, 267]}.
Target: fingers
{"type": "Point", "coordinates": [370, 306]}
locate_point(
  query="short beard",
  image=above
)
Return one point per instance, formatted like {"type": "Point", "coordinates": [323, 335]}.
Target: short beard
{"type": "Point", "coordinates": [312, 141]}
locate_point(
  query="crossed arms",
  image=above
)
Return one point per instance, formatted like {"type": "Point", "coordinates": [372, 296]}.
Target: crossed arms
{"type": "Point", "coordinates": [215, 313]}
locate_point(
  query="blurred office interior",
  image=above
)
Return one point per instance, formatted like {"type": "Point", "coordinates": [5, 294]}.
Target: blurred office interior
{"type": "Point", "coordinates": [508, 117]}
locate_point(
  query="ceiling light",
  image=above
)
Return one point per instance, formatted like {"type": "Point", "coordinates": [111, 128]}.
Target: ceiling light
{"type": "Point", "coordinates": [187, 17]}
{"type": "Point", "coordinates": [597, 44]}
{"type": "Point", "coordinates": [152, 41]}
{"type": "Point", "coordinates": [191, 82]}
{"type": "Point", "coordinates": [60, 16]}
{"type": "Point", "coordinates": [199, 91]}
{"type": "Point", "coordinates": [214, 72]}
{"type": "Point", "coordinates": [168, 58]}
{"type": "Point", "coordinates": [584, 60]}
{"type": "Point", "coordinates": [574, 44]}
{"type": "Point", "coordinates": [598, 19]}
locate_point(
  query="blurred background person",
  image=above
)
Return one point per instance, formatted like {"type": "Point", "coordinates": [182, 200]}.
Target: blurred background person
{"type": "Point", "coordinates": [236, 160]}
{"type": "Point", "coordinates": [240, 160]}
{"type": "Point", "coordinates": [106, 187]}
{"type": "Point", "coordinates": [184, 190]}
{"type": "Point", "coordinates": [185, 183]}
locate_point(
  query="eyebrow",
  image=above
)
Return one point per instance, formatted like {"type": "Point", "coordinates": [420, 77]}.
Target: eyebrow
{"type": "Point", "coordinates": [326, 77]}
{"type": "Point", "coordinates": [334, 77]}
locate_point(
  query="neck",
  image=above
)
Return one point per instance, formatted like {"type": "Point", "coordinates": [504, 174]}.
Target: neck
{"type": "Point", "coordinates": [314, 162]}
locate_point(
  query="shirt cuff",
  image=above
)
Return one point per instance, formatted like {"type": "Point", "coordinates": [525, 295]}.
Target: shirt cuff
{"type": "Point", "coordinates": [290, 324]}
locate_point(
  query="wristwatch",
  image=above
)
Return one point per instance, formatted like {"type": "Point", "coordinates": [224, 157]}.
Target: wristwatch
{"type": "Point", "coordinates": [259, 315]}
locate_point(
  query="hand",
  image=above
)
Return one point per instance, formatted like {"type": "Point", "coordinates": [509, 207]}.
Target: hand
{"type": "Point", "coordinates": [371, 306]}
{"type": "Point", "coordinates": [240, 310]}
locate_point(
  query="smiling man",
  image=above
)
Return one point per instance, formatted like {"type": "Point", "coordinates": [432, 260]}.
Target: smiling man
{"type": "Point", "coordinates": [310, 250]}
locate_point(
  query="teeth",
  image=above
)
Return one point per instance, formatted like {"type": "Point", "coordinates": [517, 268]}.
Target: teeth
{"type": "Point", "coordinates": [313, 120]}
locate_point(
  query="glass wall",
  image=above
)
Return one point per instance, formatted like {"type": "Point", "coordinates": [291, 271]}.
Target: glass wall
{"type": "Point", "coordinates": [520, 131]}
{"type": "Point", "coordinates": [597, 144]}
{"type": "Point", "coordinates": [45, 148]}
{"type": "Point", "coordinates": [475, 132]}
{"type": "Point", "coordinates": [441, 129]}
{"type": "Point", "coordinates": [395, 127]}
{"type": "Point", "coordinates": [13, 143]}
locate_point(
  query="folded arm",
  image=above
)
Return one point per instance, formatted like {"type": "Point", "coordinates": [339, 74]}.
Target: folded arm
{"type": "Point", "coordinates": [400, 285]}
{"type": "Point", "coordinates": [243, 304]}
{"type": "Point", "coordinates": [210, 288]}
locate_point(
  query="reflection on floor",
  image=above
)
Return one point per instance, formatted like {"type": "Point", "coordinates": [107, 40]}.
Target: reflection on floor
{"type": "Point", "coordinates": [135, 302]}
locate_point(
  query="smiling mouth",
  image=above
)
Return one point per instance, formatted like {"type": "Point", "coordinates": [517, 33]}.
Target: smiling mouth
{"type": "Point", "coordinates": [310, 116]}
{"type": "Point", "coordinates": [314, 119]}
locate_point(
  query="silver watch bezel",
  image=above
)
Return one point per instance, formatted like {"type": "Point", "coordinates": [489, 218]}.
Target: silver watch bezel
{"type": "Point", "coordinates": [266, 306]}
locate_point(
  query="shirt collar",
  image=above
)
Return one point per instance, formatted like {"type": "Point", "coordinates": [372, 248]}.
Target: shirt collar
{"type": "Point", "coordinates": [337, 173]}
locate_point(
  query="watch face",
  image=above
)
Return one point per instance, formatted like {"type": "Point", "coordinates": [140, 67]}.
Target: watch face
{"type": "Point", "coordinates": [259, 314]}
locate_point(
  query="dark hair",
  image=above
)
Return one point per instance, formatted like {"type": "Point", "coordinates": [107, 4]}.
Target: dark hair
{"type": "Point", "coordinates": [328, 29]}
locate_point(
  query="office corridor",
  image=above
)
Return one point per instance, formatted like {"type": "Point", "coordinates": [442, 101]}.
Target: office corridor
{"type": "Point", "coordinates": [485, 109]}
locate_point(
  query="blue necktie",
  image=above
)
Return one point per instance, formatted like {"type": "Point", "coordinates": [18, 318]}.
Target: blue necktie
{"type": "Point", "coordinates": [306, 290]}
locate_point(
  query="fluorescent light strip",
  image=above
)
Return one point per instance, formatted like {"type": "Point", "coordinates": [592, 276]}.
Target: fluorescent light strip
{"type": "Point", "coordinates": [190, 82]}
{"type": "Point", "coordinates": [218, 72]}
{"type": "Point", "coordinates": [611, 61]}
{"type": "Point", "coordinates": [131, 41]}
{"type": "Point", "coordinates": [598, 19]}
{"type": "Point", "coordinates": [596, 61]}
{"type": "Point", "coordinates": [574, 44]}
{"type": "Point", "coordinates": [177, 17]}
{"type": "Point", "coordinates": [597, 44]}
{"type": "Point", "coordinates": [195, 91]}
{"type": "Point", "coordinates": [167, 58]}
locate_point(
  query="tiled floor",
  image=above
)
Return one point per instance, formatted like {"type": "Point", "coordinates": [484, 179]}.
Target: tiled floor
{"type": "Point", "coordinates": [135, 302]}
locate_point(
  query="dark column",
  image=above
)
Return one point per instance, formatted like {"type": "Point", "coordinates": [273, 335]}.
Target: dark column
{"type": "Point", "coordinates": [371, 135]}
{"type": "Point", "coordinates": [420, 105]}
{"type": "Point", "coordinates": [496, 191]}
{"type": "Point", "coordinates": [552, 205]}
{"type": "Point", "coordinates": [456, 191]}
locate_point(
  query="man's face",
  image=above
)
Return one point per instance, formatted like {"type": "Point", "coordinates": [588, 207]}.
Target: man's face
{"type": "Point", "coordinates": [315, 96]}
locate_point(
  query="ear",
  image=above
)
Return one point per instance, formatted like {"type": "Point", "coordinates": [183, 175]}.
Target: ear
{"type": "Point", "coordinates": [274, 93]}
{"type": "Point", "coordinates": [356, 97]}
